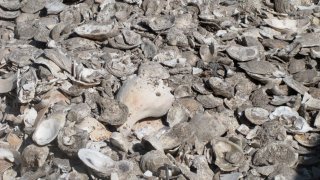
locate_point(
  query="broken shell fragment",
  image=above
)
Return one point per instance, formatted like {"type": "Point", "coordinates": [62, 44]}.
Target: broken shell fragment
{"type": "Point", "coordinates": [241, 53]}
{"type": "Point", "coordinates": [257, 115]}
{"type": "Point", "coordinates": [139, 94]}
{"type": "Point", "coordinates": [47, 130]}
{"type": "Point", "coordinates": [228, 155]}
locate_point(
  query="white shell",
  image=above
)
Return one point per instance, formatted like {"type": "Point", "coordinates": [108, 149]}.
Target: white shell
{"type": "Point", "coordinates": [48, 129]}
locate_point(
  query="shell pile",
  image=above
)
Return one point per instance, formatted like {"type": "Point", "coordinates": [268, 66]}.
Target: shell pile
{"type": "Point", "coordinates": [159, 89]}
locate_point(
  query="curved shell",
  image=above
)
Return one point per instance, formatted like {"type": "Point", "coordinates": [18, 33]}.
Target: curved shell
{"type": "Point", "coordinates": [257, 115]}
{"type": "Point", "coordinates": [229, 156]}
{"type": "Point", "coordinates": [308, 139]}
{"type": "Point", "coordinates": [48, 129]}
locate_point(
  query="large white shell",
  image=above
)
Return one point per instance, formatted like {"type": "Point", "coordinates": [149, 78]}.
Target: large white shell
{"type": "Point", "coordinates": [144, 97]}
{"type": "Point", "coordinates": [48, 129]}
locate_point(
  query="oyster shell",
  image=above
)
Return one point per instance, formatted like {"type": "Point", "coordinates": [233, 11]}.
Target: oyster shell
{"type": "Point", "coordinates": [308, 139]}
{"type": "Point", "coordinates": [257, 115]}
{"type": "Point", "coordinates": [242, 54]}
{"type": "Point", "coordinates": [97, 31]}
{"type": "Point", "coordinates": [276, 153]}
{"type": "Point", "coordinates": [154, 161]}
{"type": "Point", "coordinates": [228, 155]}
{"type": "Point", "coordinates": [34, 156]}
{"type": "Point", "coordinates": [103, 165]}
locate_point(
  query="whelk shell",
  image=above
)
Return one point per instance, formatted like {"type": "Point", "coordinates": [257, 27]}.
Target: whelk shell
{"type": "Point", "coordinates": [139, 94]}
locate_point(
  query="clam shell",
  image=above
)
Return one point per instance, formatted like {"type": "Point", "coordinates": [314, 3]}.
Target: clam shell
{"type": "Point", "coordinates": [48, 129]}
{"type": "Point", "coordinates": [257, 115]}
